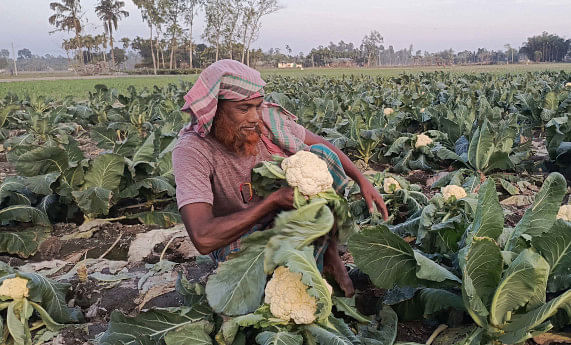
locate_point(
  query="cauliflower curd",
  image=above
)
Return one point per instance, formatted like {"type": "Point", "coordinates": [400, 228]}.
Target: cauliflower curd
{"type": "Point", "coordinates": [15, 288]}
{"type": "Point", "coordinates": [288, 297]}
{"type": "Point", "coordinates": [422, 140]}
{"type": "Point", "coordinates": [453, 191]}
{"type": "Point", "coordinates": [388, 111]}
{"type": "Point", "coordinates": [308, 172]}
{"type": "Point", "coordinates": [564, 213]}
{"type": "Point", "coordinates": [390, 185]}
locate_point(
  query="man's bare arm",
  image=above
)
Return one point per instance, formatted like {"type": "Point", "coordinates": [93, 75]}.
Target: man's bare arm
{"type": "Point", "coordinates": [209, 233]}
{"type": "Point", "coordinates": [369, 193]}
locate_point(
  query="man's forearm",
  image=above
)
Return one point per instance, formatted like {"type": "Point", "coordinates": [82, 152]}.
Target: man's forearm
{"type": "Point", "coordinates": [211, 233]}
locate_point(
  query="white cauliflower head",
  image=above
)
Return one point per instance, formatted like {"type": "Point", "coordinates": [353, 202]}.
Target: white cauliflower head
{"type": "Point", "coordinates": [388, 111]}
{"type": "Point", "coordinates": [568, 84]}
{"type": "Point", "coordinates": [288, 297]}
{"type": "Point", "coordinates": [453, 191]}
{"type": "Point", "coordinates": [308, 172]}
{"type": "Point", "coordinates": [564, 213]}
{"type": "Point", "coordinates": [422, 140]}
{"type": "Point", "coordinates": [15, 288]}
{"type": "Point", "coordinates": [390, 185]}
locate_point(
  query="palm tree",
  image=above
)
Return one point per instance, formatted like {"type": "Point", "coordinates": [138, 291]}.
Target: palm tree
{"type": "Point", "coordinates": [67, 17]}
{"type": "Point", "coordinates": [110, 12]}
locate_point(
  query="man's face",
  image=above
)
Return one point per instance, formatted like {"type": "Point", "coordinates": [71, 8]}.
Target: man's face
{"type": "Point", "coordinates": [237, 125]}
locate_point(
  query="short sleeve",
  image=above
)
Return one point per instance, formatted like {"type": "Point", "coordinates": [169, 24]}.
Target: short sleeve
{"type": "Point", "coordinates": [192, 172]}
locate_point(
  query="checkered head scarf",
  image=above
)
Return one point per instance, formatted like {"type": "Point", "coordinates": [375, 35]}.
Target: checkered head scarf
{"type": "Point", "coordinates": [232, 80]}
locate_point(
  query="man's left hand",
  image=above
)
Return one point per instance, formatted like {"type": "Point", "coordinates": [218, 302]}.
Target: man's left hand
{"type": "Point", "coordinates": [373, 198]}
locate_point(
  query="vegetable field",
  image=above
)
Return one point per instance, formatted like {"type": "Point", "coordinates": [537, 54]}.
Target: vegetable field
{"type": "Point", "coordinates": [474, 168]}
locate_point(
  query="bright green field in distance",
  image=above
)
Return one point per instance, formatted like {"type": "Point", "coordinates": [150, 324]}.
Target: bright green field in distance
{"type": "Point", "coordinates": [79, 88]}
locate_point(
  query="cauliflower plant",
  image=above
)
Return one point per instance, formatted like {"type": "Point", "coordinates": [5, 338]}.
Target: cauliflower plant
{"type": "Point", "coordinates": [288, 297]}
{"type": "Point", "coordinates": [422, 140]}
{"type": "Point", "coordinates": [390, 185]}
{"type": "Point", "coordinates": [568, 84]}
{"type": "Point", "coordinates": [308, 172]}
{"type": "Point", "coordinates": [564, 213]}
{"type": "Point", "coordinates": [388, 111]}
{"type": "Point", "coordinates": [15, 288]}
{"type": "Point", "coordinates": [453, 191]}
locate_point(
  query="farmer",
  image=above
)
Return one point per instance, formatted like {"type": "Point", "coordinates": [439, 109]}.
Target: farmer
{"type": "Point", "coordinates": [232, 130]}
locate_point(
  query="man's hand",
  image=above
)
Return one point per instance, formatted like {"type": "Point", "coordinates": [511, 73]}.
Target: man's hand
{"type": "Point", "coordinates": [282, 198]}
{"type": "Point", "coordinates": [373, 198]}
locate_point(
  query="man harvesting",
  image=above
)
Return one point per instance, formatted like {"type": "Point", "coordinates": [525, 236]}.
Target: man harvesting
{"type": "Point", "coordinates": [233, 129]}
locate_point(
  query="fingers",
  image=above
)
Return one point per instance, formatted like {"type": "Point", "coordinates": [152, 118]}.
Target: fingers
{"type": "Point", "coordinates": [383, 207]}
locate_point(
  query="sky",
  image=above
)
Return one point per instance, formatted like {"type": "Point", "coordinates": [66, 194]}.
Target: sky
{"type": "Point", "coordinates": [429, 25]}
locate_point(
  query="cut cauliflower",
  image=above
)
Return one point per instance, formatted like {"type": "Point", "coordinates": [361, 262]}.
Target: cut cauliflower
{"type": "Point", "coordinates": [390, 185]}
{"type": "Point", "coordinates": [288, 297]}
{"type": "Point", "coordinates": [308, 172]}
{"type": "Point", "coordinates": [15, 288]}
{"type": "Point", "coordinates": [453, 191]}
{"type": "Point", "coordinates": [422, 140]}
{"type": "Point", "coordinates": [564, 213]}
{"type": "Point", "coordinates": [388, 111]}
{"type": "Point", "coordinates": [568, 84]}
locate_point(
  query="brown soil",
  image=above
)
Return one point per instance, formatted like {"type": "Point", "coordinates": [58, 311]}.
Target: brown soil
{"type": "Point", "coordinates": [415, 331]}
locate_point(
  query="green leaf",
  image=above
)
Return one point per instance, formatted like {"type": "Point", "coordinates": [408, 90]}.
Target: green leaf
{"type": "Point", "coordinates": [539, 218]}
{"type": "Point", "coordinates": [238, 285]}
{"type": "Point", "coordinates": [42, 160]}
{"type": "Point", "coordinates": [94, 200]}
{"type": "Point", "coordinates": [430, 270]}
{"type": "Point", "coordinates": [383, 333]}
{"type": "Point", "coordinates": [149, 327]}
{"type": "Point", "coordinates": [489, 216]}
{"type": "Point", "coordinates": [24, 213]}
{"type": "Point", "coordinates": [230, 327]}
{"type": "Point", "coordinates": [384, 256]}
{"type": "Point", "coordinates": [518, 330]}
{"type": "Point", "coordinates": [51, 324]}
{"type": "Point", "coordinates": [41, 184]}
{"type": "Point", "coordinates": [105, 172]}
{"type": "Point", "coordinates": [302, 261]}
{"type": "Point", "coordinates": [157, 185]}
{"type": "Point", "coordinates": [194, 333]}
{"type": "Point", "coordinates": [23, 243]}
{"type": "Point", "coordinates": [51, 296]}
{"type": "Point", "coordinates": [518, 285]}
{"type": "Point", "coordinates": [279, 338]}
{"type": "Point", "coordinates": [510, 188]}
{"type": "Point", "coordinates": [18, 330]}
{"type": "Point", "coordinates": [555, 247]}
{"type": "Point", "coordinates": [164, 218]}
{"type": "Point", "coordinates": [326, 336]}
{"type": "Point", "coordinates": [481, 147]}
{"type": "Point", "coordinates": [347, 306]}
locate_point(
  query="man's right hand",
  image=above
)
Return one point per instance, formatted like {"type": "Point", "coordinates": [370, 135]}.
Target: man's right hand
{"type": "Point", "coordinates": [283, 198]}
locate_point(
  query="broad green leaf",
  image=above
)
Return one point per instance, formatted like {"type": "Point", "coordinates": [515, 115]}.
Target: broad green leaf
{"type": "Point", "coordinates": [230, 327]}
{"type": "Point", "coordinates": [555, 247]}
{"type": "Point", "coordinates": [539, 218]}
{"type": "Point", "coordinates": [383, 333]}
{"type": "Point", "coordinates": [156, 184]}
{"type": "Point", "coordinates": [430, 270]}
{"type": "Point", "coordinates": [302, 261]}
{"type": "Point", "coordinates": [489, 216]}
{"type": "Point", "coordinates": [510, 188]}
{"type": "Point", "coordinates": [149, 327]}
{"type": "Point", "coordinates": [164, 218]}
{"type": "Point", "coordinates": [518, 285]}
{"type": "Point", "coordinates": [326, 336]}
{"type": "Point", "coordinates": [41, 184]}
{"type": "Point", "coordinates": [145, 152]}
{"type": "Point", "coordinates": [347, 306]}
{"type": "Point", "coordinates": [94, 200]}
{"type": "Point", "coordinates": [9, 186]}
{"type": "Point", "coordinates": [384, 256]}
{"type": "Point", "coordinates": [194, 333]}
{"type": "Point", "coordinates": [481, 147]}
{"type": "Point", "coordinates": [51, 324]}
{"type": "Point", "coordinates": [23, 243]}
{"type": "Point", "coordinates": [105, 172]}
{"type": "Point", "coordinates": [279, 338]}
{"type": "Point", "coordinates": [51, 296]}
{"type": "Point", "coordinates": [18, 330]}
{"type": "Point", "coordinates": [426, 302]}
{"type": "Point", "coordinates": [42, 160]}
{"type": "Point", "coordinates": [24, 213]}
{"type": "Point", "coordinates": [238, 285]}
{"type": "Point", "coordinates": [484, 266]}
{"type": "Point", "coordinates": [519, 329]}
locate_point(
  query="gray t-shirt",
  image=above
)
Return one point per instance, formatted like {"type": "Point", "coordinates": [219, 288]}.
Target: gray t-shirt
{"type": "Point", "coordinates": [205, 171]}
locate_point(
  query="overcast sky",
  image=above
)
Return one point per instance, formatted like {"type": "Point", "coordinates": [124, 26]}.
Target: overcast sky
{"type": "Point", "coordinates": [427, 24]}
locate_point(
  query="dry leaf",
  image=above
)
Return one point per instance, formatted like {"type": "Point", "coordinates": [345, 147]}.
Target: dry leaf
{"type": "Point", "coordinates": [518, 200]}
{"type": "Point", "coordinates": [155, 291]}
{"type": "Point", "coordinates": [548, 338]}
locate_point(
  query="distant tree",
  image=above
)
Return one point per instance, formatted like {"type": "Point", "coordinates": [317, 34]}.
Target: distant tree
{"type": "Point", "coordinates": [119, 54]}
{"type": "Point", "coordinates": [150, 13]}
{"type": "Point", "coordinates": [67, 17]}
{"type": "Point", "coordinates": [5, 53]}
{"type": "Point", "coordinates": [24, 54]}
{"type": "Point", "coordinates": [111, 12]}
{"type": "Point", "coordinates": [253, 12]}
{"type": "Point", "coordinates": [216, 16]}
{"type": "Point", "coordinates": [126, 41]}
{"type": "Point", "coordinates": [190, 13]}
{"type": "Point", "coordinates": [546, 47]}
{"type": "Point", "coordinates": [234, 9]}
{"type": "Point", "coordinates": [172, 11]}
{"type": "Point", "coordinates": [371, 47]}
